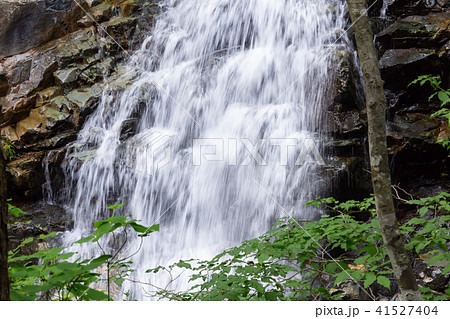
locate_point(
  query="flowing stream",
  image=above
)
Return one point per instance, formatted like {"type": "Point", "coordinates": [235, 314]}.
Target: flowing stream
{"type": "Point", "coordinates": [228, 96]}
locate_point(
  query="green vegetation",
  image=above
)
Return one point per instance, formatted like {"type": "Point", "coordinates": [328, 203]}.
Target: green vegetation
{"type": "Point", "coordinates": [9, 150]}
{"type": "Point", "coordinates": [444, 98]}
{"type": "Point", "coordinates": [48, 275]}
{"type": "Point", "coordinates": [294, 261]}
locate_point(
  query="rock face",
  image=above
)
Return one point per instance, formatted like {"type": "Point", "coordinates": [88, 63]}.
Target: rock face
{"type": "Point", "coordinates": [413, 39]}
{"type": "Point", "coordinates": [53, 61]}
{"type": "Point", "coordinates": [29, 23]}
{"type": "Point", "coordinates": [52, 81]}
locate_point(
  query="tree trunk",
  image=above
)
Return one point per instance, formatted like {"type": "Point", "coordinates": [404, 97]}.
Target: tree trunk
{"type": "Point", "coordinates": [4, 279]}
{"type": "Point", "coordinates": [381, 179]}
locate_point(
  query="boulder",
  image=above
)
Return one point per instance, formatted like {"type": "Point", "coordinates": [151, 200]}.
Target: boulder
{"type": "Point", "coordinates": [29, 23]}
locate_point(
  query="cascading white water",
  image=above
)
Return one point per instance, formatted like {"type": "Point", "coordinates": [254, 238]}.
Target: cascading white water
{"type": "Point", "coordinates": [231, 71]}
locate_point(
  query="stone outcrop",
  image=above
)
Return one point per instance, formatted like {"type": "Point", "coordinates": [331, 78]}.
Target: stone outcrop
{"type": "Point", "coordinates": [52, 81]}
{"type": "Point", "coordinates": [28, 23]}
{"type": "Point", "coordinates": [412, 39]}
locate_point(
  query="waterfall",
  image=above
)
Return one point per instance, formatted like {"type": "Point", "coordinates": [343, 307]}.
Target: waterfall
{"type": "Point", "coordinates": [221, 88]}
{"type": "Point", "coordinates": [384, 8]}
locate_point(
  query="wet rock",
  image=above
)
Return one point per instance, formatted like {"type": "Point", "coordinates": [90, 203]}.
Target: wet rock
{"type": "Point", "coordinates": [44, 97]}
{"type": "Point", "coordinates": [96, 71]}
{"type": "Point", "coordinates": [52, 142]}
{"type": "Point", "coordinates": [47, 92]}
{"type": "Point", "coordinates": [396, 57]}
{"type": "Point", "coordinates": [41, 123]}
{"type": "Point", "coordinates": [67, 76]}
{"type": "Point", "coordinates": [84, 100]}
{"type": "Point", "coordinates": [40, 219]}
{"type": "Point", "coordinates": [54, 118]}
{"type": "Point", "coordinates": [347, 81]}
{"type": "Point", "coordinates": [350, 290]}
{"type": "Point", "coordinates": [417, 31]}
{"type": "Point", "coordinates": [415, 134]}
{"type": "Point", "coordinates": [9, 133]}
{"type": "Point", "coordinates": [84, 156]}
{"type": "Point", "coordinates": [15, 106]}
{"type": "Point", "coordinates": [19, 68]}
{"type": "Point", "coordinates": [401, 66]}
{"type": "Point", "coordinates": [122, 79]}
{"type": "Point", "coordinates": [4, 86]}
{"type": "Point", "coordinates": [347, 177]}
{"type": "Point", "coordinates": [431, 276]}
{"type": "Point", "coordinates": [408, 7]}
{"type": "Point", "coordinates": [128, 129]}
{"type": "Point", "coordinates": [26, 173]}
{"type": "Point", "coordinates": [413, 125]}
{"type": "Point", "coordinates": [31, 128]}
{"type": "Point", "coordinates": [344, 147]}
{"type": "Point", "coordinates": [92, 3]}
{"type": "Point", "coordinates": [23, 26]}
{"type": "Point", "coordinates": [102, 11]}
{"type": "Point", "coordinates": [341, 123]}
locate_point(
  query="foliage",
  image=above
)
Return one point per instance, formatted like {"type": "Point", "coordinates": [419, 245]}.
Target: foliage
{"type": "Point", "coordinates": [296, 260]}
{"type": "Point", "coordinates": [431, 230]}
{"type": "Point", "coordinates": [444, 97]}
{"type": "Point", "coordinates": [15, 211]}
{"type": "Point", "coordinates": [54, 277]}
{"type": "Point", "coordinates": [9, 150]}
{"type": "Point", "coordinates": [299, 260]}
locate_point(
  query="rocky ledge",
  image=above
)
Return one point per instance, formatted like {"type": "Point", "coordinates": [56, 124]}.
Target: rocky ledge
{"type": "Point", "coordinates": [54, 58]}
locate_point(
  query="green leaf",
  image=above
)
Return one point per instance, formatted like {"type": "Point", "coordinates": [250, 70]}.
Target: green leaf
{"type": "Point", "coordinates": [384, 281]}
{"type": "Point", "coordinates": [14, 210]}
{"type": "Point", "coordinates": [370, 279]}
{"type": "Point", "coordinates": [263, 257]}
{"type": "Point", "coordinates": [423, 210]}
{"type": "Point", "coordinates": [115, 206]}
{"type": "Point", "coordinates": [272, 295]}
{"type": "Point", "coordinates": [84, 239]}
{"type": "Point", "coordinates": [52, 234]}
{"type": "Point", "coordinates": [101, 260]}
{"type": "Point", "coordinates": [183, 264]}
{"type": "Point", "coordinates": [446, 270]}
{"type": "Point", "coordinates": [27, 241]}
{"type": "Point", "coordinates": [435, 259]}
{"type": "Point", "coordinates": [92, 294]}
{"type": "Point", "coordinates": [65, 256]}
{"type": "Point", "coordinates": [139, 228]}
{"type": "Point", "coordinates": [117, 219]}
{"type": "Point", "coordinates": [444, 97]}
{"type": "Point", "coordinates": [103, 229]}
{"type": "Point", "coordinates": [144, 231]}
{"type": "Point", "coordinates": [341, 277]}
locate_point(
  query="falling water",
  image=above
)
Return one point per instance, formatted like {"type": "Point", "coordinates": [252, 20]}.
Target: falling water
{"type": "Point", "coordinates": [384, 8]}
{"type": "Point", "coordinates": [239, 75]}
